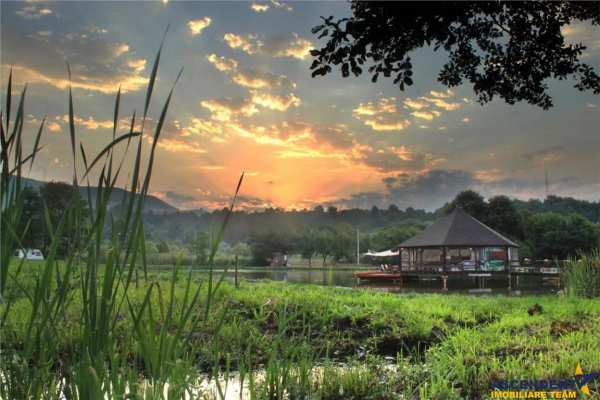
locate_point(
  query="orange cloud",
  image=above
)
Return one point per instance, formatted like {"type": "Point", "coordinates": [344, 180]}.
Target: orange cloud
{"type": "Point", "coordinates": [127, 82]}
{"type": "Point", "coordinates": [179, 146]}
{"type": "Point", "coordinates": [196, 26]}
{"type": "Point", "coordinates": [247, 43]}
{"type": "Point", "coordinates": [259, 7]}
{"type": "Point", "coordinates": [89, 123]}
{"type": "Point", "coordinates": [427, 115]}
{"type": "Point", "coordinates": [34, 12]}
{"type": "Point", "coordinates": [137, 65]}
{"type": "Point", "coordinates": [274, 102]}
{"type": "Point", "coordinates": [382, 115]}
{"type": "Point", "coordinates": [289, 45]}
{"type": "Point", "coordinates": [222, 64]}
{"type": "Point", "coordinates": [250, 78]}
{"type": "Point", "coordinates": [415, 104]}
{"type": "Point", "coordinates": [227, 109]}
{"type": "Point", "coordinates": [54, 127]}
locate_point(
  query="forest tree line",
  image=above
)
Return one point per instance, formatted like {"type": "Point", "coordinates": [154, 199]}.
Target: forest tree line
{"type": "Point", "coordinates": [556, 227]}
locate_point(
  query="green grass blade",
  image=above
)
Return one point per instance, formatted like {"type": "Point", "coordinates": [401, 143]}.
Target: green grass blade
{"type": "Point", "coordinates": [153, 75]}
{"type": "Point", "coordinates": [36, 143]}
{"type": "Point", "coordinates": [8, 99]}
{"type": "Point", "coordinates": [108, 148]}
{"type": "Point", "coordinates": [72, 126]}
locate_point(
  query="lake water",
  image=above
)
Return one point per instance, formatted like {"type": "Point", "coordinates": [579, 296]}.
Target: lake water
{"type": "Point", "coordinates": [344, 278]}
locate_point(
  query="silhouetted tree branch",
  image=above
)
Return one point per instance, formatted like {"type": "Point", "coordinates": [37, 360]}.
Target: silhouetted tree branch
{"type": "Point", "coordinates": [505, 49]}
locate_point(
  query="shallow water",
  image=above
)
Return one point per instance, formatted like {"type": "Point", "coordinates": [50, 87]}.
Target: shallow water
{"type": "Point", "coordinates": [344, 278]}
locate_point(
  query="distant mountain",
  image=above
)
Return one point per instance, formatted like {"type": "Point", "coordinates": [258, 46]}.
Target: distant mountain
{"type": "Point", "coordinates": [151, 204]}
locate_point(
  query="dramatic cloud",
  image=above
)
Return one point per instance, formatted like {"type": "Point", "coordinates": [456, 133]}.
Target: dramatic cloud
{"type": "Point", "coordinates": [385, 115]}
{"type": "Point", "coordinates": [585, 34]}
{"type": "Point", "coordinates": [207, 128]}
{"type": "Point", "coordinates": [415, 104]}
{"type": "Point", "coordinates": [209, 200]}
{"type": "Point", "coordinates": [137, 65]}
{"type": "Point", "coordinates": [259, 7]}
{"type": "Point", "coordinates": [97, 63]}
{"type": "Point", "coordinates": [544, 156]}
{"type": "Point", "coordinates": [247, 43]}
{"type": "Point", "coordinates": [255, 79]}
{"type": "Point", "coordinates": [196, 26]}
{"type": "Point", "coordinates": [280, 4]}
{"type": "Point", "coordinates": [429, 190]}
{"type": "Point", "coordinates": [180, 146]}
{"type": "Point", "coordinates": [178, 197]}
{"type": "Point", "coordinates": [274, 102]}
{"type": "Point", "coordinates": [428, 115]}
{"type": "Point", "coordinates": [246, 103]}
{"type": "Point", "coordinates": [443, 104]}
{"type": "Point", "coordinates": [441, 95]}
{"type": "Point", "coordinates": [249, 77]}
{"type": "Point", "coordinates": [289, 45]}
{"type": "Point", "coordinates": [228, 109]}
{"type": "Point", "coordinates": [222, 64]}
{"type": "Point", "coordinates": [34, 11]}
{"type": "Point", "coordinates": [90, 123]}
{"type": "Point", "coordinates": [396, 158]}
{"type": "Point", "coordinates": [381, 115]}
{"type": "Point", "coordinates": [54, 127]}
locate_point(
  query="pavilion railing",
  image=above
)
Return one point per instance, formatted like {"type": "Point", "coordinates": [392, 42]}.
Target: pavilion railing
{"type": "Point", "coordinates": [524, 266]}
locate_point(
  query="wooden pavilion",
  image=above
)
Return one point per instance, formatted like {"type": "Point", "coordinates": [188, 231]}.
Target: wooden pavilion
{"type": "Point", "coordinates": [458, 243]}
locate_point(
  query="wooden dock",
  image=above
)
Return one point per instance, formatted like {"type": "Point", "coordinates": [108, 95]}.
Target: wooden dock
{"type": "Point", "coordinates": [396, 274]}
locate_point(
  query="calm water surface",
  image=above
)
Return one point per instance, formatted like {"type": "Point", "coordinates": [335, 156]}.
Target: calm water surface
{"type": "Point", "coordinates": [344, 278]}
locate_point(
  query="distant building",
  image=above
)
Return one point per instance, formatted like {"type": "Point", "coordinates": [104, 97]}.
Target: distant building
{"type": "Point", "coordinates": [279, 260]}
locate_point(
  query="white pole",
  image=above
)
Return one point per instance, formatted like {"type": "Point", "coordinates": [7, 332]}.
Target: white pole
{"type": "Point", "coordinates": [357, 246]}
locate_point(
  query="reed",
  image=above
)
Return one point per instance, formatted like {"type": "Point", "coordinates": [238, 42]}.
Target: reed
{"type": "Point", "coordinates": [581, 276]}
{"type": "Point", "coordinates": [101, 362]}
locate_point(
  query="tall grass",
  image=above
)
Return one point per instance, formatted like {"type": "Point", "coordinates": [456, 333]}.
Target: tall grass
{"type": "Point", "coordinates": [101, 363]}
{"type": "Point", "coordinates": [581, 276]}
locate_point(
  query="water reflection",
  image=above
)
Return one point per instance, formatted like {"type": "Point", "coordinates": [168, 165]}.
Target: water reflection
{"type": "Point", "coordinates": [344, 278]}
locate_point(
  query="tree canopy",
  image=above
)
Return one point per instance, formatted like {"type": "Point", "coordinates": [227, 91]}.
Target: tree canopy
{"type": "Point", "coordinates": [505, 49]}
{"type": "Point", "coordinates": [552, 235]}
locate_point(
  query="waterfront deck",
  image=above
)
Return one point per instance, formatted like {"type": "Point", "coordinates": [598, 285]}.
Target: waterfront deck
{"type": "Point", "coordinates": [544, 268]}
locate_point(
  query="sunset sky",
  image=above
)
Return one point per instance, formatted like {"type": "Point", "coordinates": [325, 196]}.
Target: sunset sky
{"type": "Point", "coordinates": [246, 102]}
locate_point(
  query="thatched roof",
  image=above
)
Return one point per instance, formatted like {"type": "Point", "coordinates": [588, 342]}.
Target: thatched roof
{"type": "Point", "coordinates": [458, 229]}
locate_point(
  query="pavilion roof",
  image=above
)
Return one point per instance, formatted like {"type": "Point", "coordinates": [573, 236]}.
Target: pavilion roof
{"type": "Point", "coordinates": [458, 229]}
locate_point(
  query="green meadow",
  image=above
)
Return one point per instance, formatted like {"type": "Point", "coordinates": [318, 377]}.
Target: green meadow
{"type": "Point", "coordinates": [289, 339]}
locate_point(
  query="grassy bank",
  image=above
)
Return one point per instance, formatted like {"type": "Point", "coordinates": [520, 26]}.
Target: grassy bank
{"type": "Point", "coordinates": [439, 346]}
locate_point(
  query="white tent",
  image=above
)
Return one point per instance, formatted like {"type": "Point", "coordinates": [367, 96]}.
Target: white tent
{"type": "Point", "coordinates": [385, 253]}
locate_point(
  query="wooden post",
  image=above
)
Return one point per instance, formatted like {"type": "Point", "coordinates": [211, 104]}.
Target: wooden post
{"type": "Point", "coordinates": [445, 280]}
{"type": "Point", "coordinates": [444, 256]}
{"type": "Point", "coordinates": [237, 285]}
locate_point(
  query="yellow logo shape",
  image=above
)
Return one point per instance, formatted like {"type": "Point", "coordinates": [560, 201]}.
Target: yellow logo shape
{"type": "Point", "coordinates": [578, 372]}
